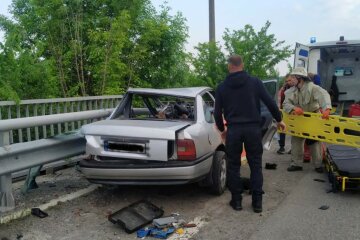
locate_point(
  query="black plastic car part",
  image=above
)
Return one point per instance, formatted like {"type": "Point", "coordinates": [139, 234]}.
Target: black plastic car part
{"type": "Point", "coordinates": [136, 215]}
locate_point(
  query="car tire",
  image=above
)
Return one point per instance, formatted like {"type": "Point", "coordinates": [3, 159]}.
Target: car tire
{"type": "Point", "coordinates": [218, 173]}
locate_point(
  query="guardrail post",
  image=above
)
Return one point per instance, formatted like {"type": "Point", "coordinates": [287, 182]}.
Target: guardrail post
{"type": "Point", "coordinates": [7, 201]}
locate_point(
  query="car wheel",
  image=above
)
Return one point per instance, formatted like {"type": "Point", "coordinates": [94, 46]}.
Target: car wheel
{"type": "Point", "coordinates": [218, 173]}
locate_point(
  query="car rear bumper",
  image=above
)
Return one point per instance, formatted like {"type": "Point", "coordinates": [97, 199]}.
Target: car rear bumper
{"type": "Point", "coordinates": [151, 173]}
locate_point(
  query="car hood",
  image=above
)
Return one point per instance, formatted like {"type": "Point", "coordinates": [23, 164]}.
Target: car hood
{"type": "Point", "coordinates": [135, 128]}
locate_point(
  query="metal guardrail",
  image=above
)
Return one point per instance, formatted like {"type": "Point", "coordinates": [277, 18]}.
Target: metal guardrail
{"type": "Point", "coordinates": [21, 156]}
{"type": "Point", "coordinates": [41, 107]}
{"type": "Point", "coordinates": [71, 113]}
{"type": "Point", "coordinates": [10, 124]}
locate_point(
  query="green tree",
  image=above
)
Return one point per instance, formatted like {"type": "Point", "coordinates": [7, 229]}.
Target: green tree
{"type": "Point", "coordinates": [86, 47]}
{"type": "Point", "coordinates": [209, 64]}
{"type": "Point", "coordinates": [155, 56]}
{"type": "Point", "coordinates": [260, 51]}
{"type": "Point", "coordinates": [22, 73]}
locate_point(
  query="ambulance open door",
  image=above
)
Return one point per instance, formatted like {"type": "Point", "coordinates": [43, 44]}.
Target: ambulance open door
{"type": "Point", "coordinates": [301, 58]}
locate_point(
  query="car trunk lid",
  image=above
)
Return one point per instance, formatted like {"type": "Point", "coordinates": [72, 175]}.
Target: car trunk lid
{"type": "Point", "coordinates": [135, 139]}
{"type": "Point", "coordinates": [135, 128]}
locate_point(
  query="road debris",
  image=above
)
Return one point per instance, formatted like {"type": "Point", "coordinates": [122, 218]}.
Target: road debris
{"type": "Point", "coordinates": [189, 225]}
{"type": "Point", "coordinates": [176, 230]}
{"type": "Point", "coordinates": [270, 166]}
{"type": "Point", "coordinates": [136, 215]}
{"type": "Point", "coordinates": [164, 222]}
{"type": "Point", "coordinates": [39, 213]}
{"type": "Point", "coordinates": [324, 207]}
{"type": "Point", "coordinates": [155, 232]}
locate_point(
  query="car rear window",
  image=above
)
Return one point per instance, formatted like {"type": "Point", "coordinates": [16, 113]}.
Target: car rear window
{"type": "Point", "coordinates": [157, 107]}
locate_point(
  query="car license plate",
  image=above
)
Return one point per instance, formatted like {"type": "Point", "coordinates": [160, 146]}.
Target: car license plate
{"type": "Point", "coordinates": [125, 147]}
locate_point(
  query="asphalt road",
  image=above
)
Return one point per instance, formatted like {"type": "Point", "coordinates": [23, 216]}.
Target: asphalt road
{"type": "Point", "coordinates": [291, 203]}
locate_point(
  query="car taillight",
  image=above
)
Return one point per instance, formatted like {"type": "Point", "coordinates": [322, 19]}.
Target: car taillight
{"type": "Point", "coordinates": [186, 149]}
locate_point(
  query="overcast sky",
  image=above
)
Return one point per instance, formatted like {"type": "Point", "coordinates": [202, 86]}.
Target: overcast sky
{"type": "Point", "coordinates": [291, 20]}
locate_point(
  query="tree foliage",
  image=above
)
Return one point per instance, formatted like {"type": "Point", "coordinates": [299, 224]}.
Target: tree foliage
{"type": "Point", "coordinates": [209, 64]}
{"type": "Point", "coordinates": [260, 51]}
{"type": "Point", "coordinates": [63, 48]}
{"type": "Point", "coordinates": [86, 47]}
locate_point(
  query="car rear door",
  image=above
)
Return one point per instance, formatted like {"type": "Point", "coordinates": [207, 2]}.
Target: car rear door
{"type": "Point", "coordinates": [208, 102]}
{"type": "Point", "coordinates": [267, 122]}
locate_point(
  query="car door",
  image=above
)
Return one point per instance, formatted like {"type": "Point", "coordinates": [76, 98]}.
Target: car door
{"type": "Point", "coordinates": [209, 123]}
{"type": "Point", "coordinates": [268, 124]}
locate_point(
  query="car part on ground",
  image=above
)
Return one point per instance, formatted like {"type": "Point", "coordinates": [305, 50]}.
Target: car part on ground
{"type": "Point", "coordinates": [136, 215]}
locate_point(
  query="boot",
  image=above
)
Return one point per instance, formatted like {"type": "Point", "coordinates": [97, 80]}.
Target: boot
{"type": "Point", "coordinates": [257, 203]}
{"type": "Point", "coordinates": [236, 203]}
{"type": "Point", "coordinates": [281, 150]}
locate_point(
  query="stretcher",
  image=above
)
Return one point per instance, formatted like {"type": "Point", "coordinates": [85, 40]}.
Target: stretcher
{"type": "Point", "coordinates": [343, 167]}
{"type": "Point", "coordinates": [336, 130]}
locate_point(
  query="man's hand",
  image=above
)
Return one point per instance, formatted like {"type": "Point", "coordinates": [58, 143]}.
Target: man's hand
{"type": "Point", "coordinates": [326, 113]}
{"type": "Point", "coordinates": [281, 126]}
{"type": "Point", "coordinates": [223, 135]}
{"type": "Point", "coordinates": [297, 111]}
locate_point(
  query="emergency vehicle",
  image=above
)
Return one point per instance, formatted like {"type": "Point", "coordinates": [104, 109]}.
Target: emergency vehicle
{"type": "Point", "coordinates": [337, 60]}
{"type": "Point", "coordinates": [334, 58]}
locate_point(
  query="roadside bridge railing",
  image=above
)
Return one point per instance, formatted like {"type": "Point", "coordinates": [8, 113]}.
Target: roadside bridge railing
{"type": "Point", "coordinates": [41, 107]}
{"type": "Point", "coordinates": [37, 132]}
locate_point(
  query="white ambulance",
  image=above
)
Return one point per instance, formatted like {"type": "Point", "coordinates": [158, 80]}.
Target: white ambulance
{"type": "Point", "coordinates": [333, 58]}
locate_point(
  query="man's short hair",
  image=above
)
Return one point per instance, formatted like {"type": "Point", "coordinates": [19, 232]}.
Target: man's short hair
{"type": "Point", "coordinates": [235, 60]}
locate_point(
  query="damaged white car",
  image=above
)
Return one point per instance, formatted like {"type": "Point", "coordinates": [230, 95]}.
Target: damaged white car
{"type": "Point", "coordinates": [159, 137]}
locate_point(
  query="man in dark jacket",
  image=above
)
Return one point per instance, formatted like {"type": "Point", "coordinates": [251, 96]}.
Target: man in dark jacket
{"type": "Point", "coordinates": [238, 100]}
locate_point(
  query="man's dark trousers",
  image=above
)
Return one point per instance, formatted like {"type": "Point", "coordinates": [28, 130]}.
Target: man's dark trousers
{"type": "Point", "coordinates": [282, 139]}
{"type": "Point", "coordinates": [251, 137]}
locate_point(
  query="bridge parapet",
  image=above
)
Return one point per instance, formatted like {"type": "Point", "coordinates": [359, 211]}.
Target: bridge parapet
{"type": "Point", "coordinates": [19, 152]}
{"type": "Point", "coordinates": [41, 107]}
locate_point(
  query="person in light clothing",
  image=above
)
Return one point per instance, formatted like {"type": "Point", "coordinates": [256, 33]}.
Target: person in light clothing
{"type": "Point", "coordinates": [305, 96]}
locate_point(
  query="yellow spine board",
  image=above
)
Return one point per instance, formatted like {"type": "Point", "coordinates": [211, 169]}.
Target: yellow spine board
{"type": "Point", "coordinates": [336, 130]}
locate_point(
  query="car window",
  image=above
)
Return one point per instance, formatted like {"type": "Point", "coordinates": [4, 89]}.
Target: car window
{"type": "Point", "coordinates": [343, 71]}
{"type": "Point", "coordinates": [156, 107]}
{"type": "Point", "coordinates": [208, 105]}
{"type": "Point", "coordinates": [271, 87]}
{"type": "Point", "coordinates": [139, 108]}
